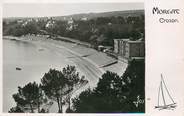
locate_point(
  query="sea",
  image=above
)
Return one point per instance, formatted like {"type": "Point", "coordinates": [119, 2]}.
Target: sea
{"type": "Point", "coordinates": [33, 61]}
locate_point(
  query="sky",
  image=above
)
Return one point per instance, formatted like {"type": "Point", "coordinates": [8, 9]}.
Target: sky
{"type": "Point", "coordinates": [62, 9]}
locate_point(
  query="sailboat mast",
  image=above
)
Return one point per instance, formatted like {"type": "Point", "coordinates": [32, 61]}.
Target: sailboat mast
{"type": "Point", "coordinates": [162, 93]}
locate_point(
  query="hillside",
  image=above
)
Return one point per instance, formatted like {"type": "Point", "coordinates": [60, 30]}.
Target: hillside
{"type": "Point", "coordinates": [104, 14]}
{"type": "Point", "coordinates": [85, 15]}
{"type": "Point", "coordinates": [94, 28]}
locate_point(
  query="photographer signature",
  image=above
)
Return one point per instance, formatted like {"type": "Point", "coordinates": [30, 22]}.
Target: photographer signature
{"type": "Point", "coordinates": [139, 101]}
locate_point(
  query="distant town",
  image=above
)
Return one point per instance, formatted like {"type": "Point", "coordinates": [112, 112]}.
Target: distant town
{"type": "Point", "coordinates": [123, 28]}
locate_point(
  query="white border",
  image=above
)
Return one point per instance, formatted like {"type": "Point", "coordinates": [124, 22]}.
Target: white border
{"type": "Point", "coordinates": [60, 2]}
{"type": "Point", "coordinates": [164, 53]}
{"type": "Point", "coordinates": [70, 1]}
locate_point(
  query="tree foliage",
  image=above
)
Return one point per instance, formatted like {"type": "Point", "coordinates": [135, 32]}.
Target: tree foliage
{"type": "Point", "coordinates": [60, 85]}
{"type": "Point", "coordinates": [53, 84]}
{"type": "Point", "coordinates": [108, 27]}
{"type": "Point", "coordinates": [114, 93]}
{"type": "Point", "coordinates": [74, 82]}
{"type": "Point", "coordinates": [29, 96]}
{"type": "Point", "coordinates": [16, 110]}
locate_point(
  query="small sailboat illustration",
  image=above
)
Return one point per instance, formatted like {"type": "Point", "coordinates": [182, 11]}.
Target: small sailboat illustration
{"type": "Point", "coordinates": [162, 103]}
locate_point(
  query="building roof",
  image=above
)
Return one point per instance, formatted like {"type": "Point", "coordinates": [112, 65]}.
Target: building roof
{"type": "Point", "coordinates": [137, 41]}
{"type": "Point", "coordinates": [131, 41]}
{"type": "Point", "coordinates": [122, 39]}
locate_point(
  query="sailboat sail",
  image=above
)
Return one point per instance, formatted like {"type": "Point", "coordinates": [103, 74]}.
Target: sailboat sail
{"type": "Point", "coordinates": [162, 97]}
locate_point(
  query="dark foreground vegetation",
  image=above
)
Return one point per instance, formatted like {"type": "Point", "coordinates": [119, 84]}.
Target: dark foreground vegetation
{"type": "Point", "coordinates": [55, 86]}
{"type": "Point", "coordinates": [113, 94]}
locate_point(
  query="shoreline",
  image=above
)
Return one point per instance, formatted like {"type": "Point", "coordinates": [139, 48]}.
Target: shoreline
{"type": "Point", "coordinates": [51, 42]}
{"type": "Point", "coordinates": [90, 65]}
{"type": "Point", "coordinates": [77, 49]}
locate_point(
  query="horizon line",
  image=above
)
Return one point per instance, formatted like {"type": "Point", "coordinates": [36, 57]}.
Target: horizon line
{"type": "Point", "coordinates": [69, 14]}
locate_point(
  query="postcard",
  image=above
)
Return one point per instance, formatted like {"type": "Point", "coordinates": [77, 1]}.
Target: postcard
{"type": "Point", "coordinates": [92, 58]}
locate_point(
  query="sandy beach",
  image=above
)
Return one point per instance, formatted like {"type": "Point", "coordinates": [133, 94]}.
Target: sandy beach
{"type": "Point", "coordinates": [87, 60]}
{"type": "Point", "coordinates": [83, 53]}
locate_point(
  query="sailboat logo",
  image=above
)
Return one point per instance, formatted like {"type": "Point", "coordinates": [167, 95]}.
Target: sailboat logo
{"type": "Point", "coordinates": [165, 101]}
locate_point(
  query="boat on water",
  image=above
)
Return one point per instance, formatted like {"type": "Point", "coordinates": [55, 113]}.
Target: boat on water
{"type": "Point", "coordinates": [14, 39]}
{"type": "Point", "coordinates": [162, 97]}
{"type": "Point", "coordinates": [17, 68]}
{"type": "Point", "coordinates": [41, 49]}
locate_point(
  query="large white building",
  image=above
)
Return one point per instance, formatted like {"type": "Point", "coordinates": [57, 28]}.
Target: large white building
{"type": "Point", "coordinates": [128, 49]}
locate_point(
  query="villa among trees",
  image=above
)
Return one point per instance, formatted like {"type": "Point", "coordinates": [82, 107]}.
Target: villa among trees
{"type": "Point", "coordinates": [96, 31]}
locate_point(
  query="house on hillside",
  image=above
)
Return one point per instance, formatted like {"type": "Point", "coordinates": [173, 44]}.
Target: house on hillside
{"type": "Point", "coordinates": [84, 19]}
{"type": "Point", "coordinates": [71, 24]}
{"type": "Point", "coordinates": [127, 49]}
{"type": "Point", "coordinates": [20, 21]}
{"type": "Point", "coordinates": [50, 23]}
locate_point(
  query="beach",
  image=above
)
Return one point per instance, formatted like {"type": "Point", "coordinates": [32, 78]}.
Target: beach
{"type": "Point", "coordinates": [59, 54]}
